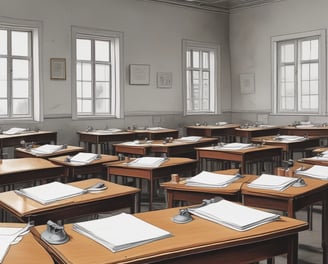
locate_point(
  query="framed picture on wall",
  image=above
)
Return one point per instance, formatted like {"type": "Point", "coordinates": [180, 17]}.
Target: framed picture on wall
{"type": "Point", "coordinates": [140, 74]}
{"type": "Point", "coordinates": [164, 79]}
{"type": "Point", "coordinates": [58, 69]}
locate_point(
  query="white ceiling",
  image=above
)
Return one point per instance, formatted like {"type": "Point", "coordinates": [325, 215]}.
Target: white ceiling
{"type": "Point", "coordinates": [224, 6]}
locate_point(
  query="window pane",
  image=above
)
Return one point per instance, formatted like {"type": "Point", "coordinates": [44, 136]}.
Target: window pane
{"type": "Point", "coordinates": [3, 42]}
{"type": "Point", "coordinates": [83, 49]}
{"type": "Point", "coordinates": [314, 71]}
{"type": "Point", "coordinates": [102, 72]}
{"type": "Point", "coordinates": [102, 50]}
{"type": "Point", "coordinates": [314, 102]}
{"type": "Point", "coordinates": [306, 50]}
{"type": "Point", "coordinates": [20, 69]}
{"type": "Point", "coordinates": [314, 87]}
{"type": "Point", "coordinates": [310, 49]}
{"type": "Point", "coordinates": [287, 53]}
{"type": "Point", "coordinates": [306, 71]}
{"type": "Point", "coordinates": [205, 60]}
{"type": "Point", "coordinates": [188, 55]}
{"type": "Point", "coordinates": [3, 69]}
{"type": "Point", "coordinates": [20, 106]}
{"type": "Point", "coordinates": [102, 106]}
{"type": "Point", "coordinates": [3, 89]}
{"type": "Point", "coordinates": [289, 103]}
{"type": "Point", "coordinates": [86, 90]}
{"type": "Point", "coordinates": [86, 72]}
{"type": "Point", "coordinates": [19, 43]}
{"type": "Point", "coordinates": [20, 89]}
{"type": "Point", "coordinates": [195, 59]}
{"type": "Point", "coordinates": [290, 73]}
{"type": "Point", "coordinates": [305, 87]}
{"type": "Point", "coordinates": [3, 107]}
{"type": "Point", "coordinates": [290, 89]}
{"type": "Point", "coordinates": [84, 106]}
{"type": "Point", "coordinates": [314, 49]}
{"type": "Point", "coordinates": [102, 90]}
{"type": "Point", "coordinates": [305, 103]}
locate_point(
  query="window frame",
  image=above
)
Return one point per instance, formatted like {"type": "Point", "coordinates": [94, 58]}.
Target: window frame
{"type": "Point", "coordinates": [117, 70]}
{"type": "Point", "coordinates": [297, 38]}
{"type": "Point", "coordinates": [36, 70]}
{"type": "Point", "coordinates": [214, 50]}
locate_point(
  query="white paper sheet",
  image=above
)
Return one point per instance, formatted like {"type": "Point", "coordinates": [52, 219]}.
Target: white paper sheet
{"type": "Point", "coordinates": [211, 179]}
{"type": "Point", "coordinates": [235, 146]}
{"type": "Point", "coordinates": [151, 162]}
{"type": "Point", "coordinates": [272, 182]}
{"type": "Point", "coordinates": [190, 139]}
{"type": "Point", "coordinates": [316, 171]}
{"type": "Point", "coordinates": [120, 232]}
{"type": "Point", "coordinates": [14, 130]}
{"type": "Point", "coordinates": [46, 149]}
{"type": "Point", "coordinates": [84, 157]}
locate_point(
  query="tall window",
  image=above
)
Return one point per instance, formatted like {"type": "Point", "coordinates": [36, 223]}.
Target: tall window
{"type": "Point", "coordinates": [200, 77]}
{"type": "Point", "coordinates": [19, 72]}
{"type": "Point", "coordinates": [299, 74]}
{"type": "Point", "coordinates": [97, 73]}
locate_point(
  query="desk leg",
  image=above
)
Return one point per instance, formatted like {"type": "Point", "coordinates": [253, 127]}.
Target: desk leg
{"type": "Point", "coordinates": [324, 228]}
{"type": "Point", "coordinates": [292, 256]}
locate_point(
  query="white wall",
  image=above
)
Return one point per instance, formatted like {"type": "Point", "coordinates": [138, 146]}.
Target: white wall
{"type": "Point", "coordinates": [250, 35]}
{"type": "Point", "coordinates": [153, 33]}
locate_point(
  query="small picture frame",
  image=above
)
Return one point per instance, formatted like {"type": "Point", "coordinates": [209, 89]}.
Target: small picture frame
{"type": "Point", "coordinates": [140, 74]}
{"type": "Point", "coordinates": [247, 83]}
{"type": "Point", "coordinates": [164, 80]}
{"type": "Point", "coordinates": [58, 69]}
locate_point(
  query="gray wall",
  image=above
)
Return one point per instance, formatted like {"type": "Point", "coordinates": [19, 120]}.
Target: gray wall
{"type": "Point", "coordinates": [153, 33]}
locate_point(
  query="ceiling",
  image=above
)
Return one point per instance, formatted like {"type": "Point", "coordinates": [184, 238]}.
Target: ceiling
{"type": "Point", "coordinates": [224, 6]}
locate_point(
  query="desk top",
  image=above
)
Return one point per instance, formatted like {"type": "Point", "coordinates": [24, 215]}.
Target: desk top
{"type": "Point", "coordinates": [257, 128]}
{"type": "Point", "coordinates": [11, 166]}
{"type": "Point", "coordinates": [272, 140]}
{"type": "Point", "coordinates": [214, 126]}
{"type": "Point", "coordinates": [153, 131]}
{"type": "Point", "coordinates": [27, 133]}
{"type": "Point", "coordinates": [62, 160]}
{"type": "Point", "coordinates": [27, 251]}
{"type": "Point", "coordinates": [196, 237]}
{"type": "Point", "coordinates": [240, 151]}
{"type": "Point", "coordinates": [64, 151]}
{"type": "Point", "coordinates": [102, 132]}
{"type": "Point", "coordinates": [22, 206]}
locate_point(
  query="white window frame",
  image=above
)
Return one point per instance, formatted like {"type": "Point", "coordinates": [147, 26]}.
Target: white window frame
{"type": "Point", "coordinates": [35, 27]}
{"type": "Point", "coordinates": [117, 70]}
{"type": "Point", "coordinates": [323, 104]}
{"type": "Point", "coordinates": [214, 50]}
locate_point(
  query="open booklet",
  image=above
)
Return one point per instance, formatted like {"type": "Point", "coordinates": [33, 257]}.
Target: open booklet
{"type": "Point", "coordinates": [120, 232]}
{"type": "Point", "coordinates": [84, 157]}
{"type": "Point", "coordinates": [50, 192]}
{"type": "Point", "coordinates": [316, 171]}
{"type": "Point", "coordinates": [272, 182]}
{"type": "Point", "coordinates": [211, 179]}
{"type": "Point", "coordinates": [234, 215]}
{"type": "Point", "coordinates": [46, 149]}
{"type": "Point", "coordinates": [152, 162]}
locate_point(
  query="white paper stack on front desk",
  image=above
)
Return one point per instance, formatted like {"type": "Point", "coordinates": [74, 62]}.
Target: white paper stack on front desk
{"type": "Point", "coordinates": [233, 215]}
{"type": "Point", "coordinates": [190, 138]}
{"type": "Point", "coordinates": [151, 162]}
{"type": "Point", "coordinates": [120, 232]}
{"type": "Point", "coordinates": [272, 182]}
{"type": "Point", "coordinates": [235, 146]}
{"type": "Point", "coordinates": [316, 171]}
{"type": "Point", "coordinates": [211, 180]}
{"type": "Point", "coordinates": [50, 192]}
{"type": "Point", "coordinates": [84, 157]}
{"type": "Point", "coordinates": [46, 149]}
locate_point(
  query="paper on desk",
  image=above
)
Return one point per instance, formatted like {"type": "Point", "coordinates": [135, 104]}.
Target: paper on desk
{"type": "Point", "coordinates": [233, 215]}
{"type": "Point", "coordinates": [235, 146]}
{"type": "Point", "coordinates": [211, 179]}
{"type": "Point", "coordinates": [14, 130]}
{"type": "Point", "coordinates": [7, 236]}
{"type": "Point", "coordinates": [120, 232]}
{"type": "Point", "coordinates": [46, 149]}
{"type": "Point", "coordinates": [152, 162]}
{"type": "Point", "coordinates": [84, 157]}
{"type": "Point", "coordinates": [190, 138]}
{"type": "Point", "coordinates": [316, 171]}
{"type": "Point", "coordinates": [155, 128]}
{"type": "Point", "coordinates": [50, 192]}
{"type": "Point", "coordinates": [290, 138]}
{"type": "Point", "coordinates": [272, 182]}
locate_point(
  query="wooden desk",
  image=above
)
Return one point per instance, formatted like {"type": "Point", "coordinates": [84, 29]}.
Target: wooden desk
{"type": "Point", "coordinates": [177, 148]}
{"type": "Point", "coordinates": [289, 147]}
{"type": "Point", "coordinates": [98, 141]}
{"type": "Point", "coordinates": [195, 195]}
{"type": "Point", "coordinates": [182, 166]}
{"type": "Point", "coordinates": [199, 241]}
{"type": "Point", "coordinates": [245, 157]}
{"type": "Point", "coordinates": [292, 200]}
{"type": "Point", "coordinates": [113, 198]}
{"type": "Point", "coordinates": [302, 130]}
{"type": "Point", "coordinates": [225, 133]}
{"type": "Point", "coordinates": [156, 134]}
{"type": "Point", "coordinates": [28, 170]}
{"type": "Point", "coordinates": [37, 137]}
{"type": "Point", "coordinates": [27, 153]}
{"type": "Point", "coordinates": [27, 251]}
{"type": "Point", "coordinates": [245, 134]}
{"type": "Point", "coordinates": [95, 167]}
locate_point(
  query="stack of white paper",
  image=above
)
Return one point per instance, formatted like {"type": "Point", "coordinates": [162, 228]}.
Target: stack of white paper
{"type": "Point", "coordinates": [14, 130]}
{"type": "Point", "coordinates": [235, 146]}
{"type": "Point", "coordinates": [151, 162]}
{"type": "Point", "coordinates": [191, 138]}
{"type": "Point", "coordinates": [221, 123]}
{"type": "Point", "coordinates": [272, 182]}
{"type": "Point", "coordinates": [316, 171]}
{"type": "Point", "coordinates": [108, 131]}
{"type": "Point", "coordinates": [50, 192]}
{"type": "Point", "coordinates": [211, 179]}
{"type": "Point", "coordinates": [155, 128]}
{"type": "Point", "coordinates": [233, 215]}
{"type": "Point", "coordinates": [46, 149]}
{"type": "Point", "coordinates": [120, 232]}
{"type": "Point", "coordinates": [84, 157]}
{"type": "Point", "coordinates": [290, 138]}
